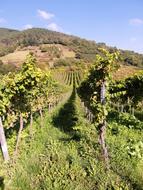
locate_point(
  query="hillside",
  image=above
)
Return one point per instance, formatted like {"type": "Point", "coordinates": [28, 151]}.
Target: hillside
{"type": "Point", "coordinates": [47, 55]}
{"type": "Point", "coordinates": [6, 33]}
{"type": "Point", "coordinates": [84, 50]}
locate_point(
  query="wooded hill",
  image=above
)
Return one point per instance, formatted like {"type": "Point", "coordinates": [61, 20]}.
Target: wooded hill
{"type": "Point", "coordinates": [84, 50]}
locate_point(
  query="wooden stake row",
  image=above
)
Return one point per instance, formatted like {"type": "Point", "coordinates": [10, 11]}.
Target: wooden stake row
{"type": "Point", "coordinates": [88, 114]}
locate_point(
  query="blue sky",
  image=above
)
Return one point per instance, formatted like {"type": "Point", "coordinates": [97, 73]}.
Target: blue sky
{"type": "Point", "coordinates": [116, 22]}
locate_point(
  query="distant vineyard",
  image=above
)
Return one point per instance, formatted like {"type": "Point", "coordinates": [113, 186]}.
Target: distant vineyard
{"type": "Point", "coordinates": [68, 77]}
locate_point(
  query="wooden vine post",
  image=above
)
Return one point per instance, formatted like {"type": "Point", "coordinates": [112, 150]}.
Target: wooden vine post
{"type": "Point", "coordinates": [31, 125]}
{"type": "Point", "coordinates": [3, 142]}
{"type": "Point", "coordinates": [19, 132]}
{"type": "Point", "coordinates": [103, 125]}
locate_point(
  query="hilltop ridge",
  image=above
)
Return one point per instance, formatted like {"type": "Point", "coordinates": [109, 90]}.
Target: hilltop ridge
{"type": "Point", "coordinates": [55, 49]}
{"type": "Point", "coordinates": [11, 39]}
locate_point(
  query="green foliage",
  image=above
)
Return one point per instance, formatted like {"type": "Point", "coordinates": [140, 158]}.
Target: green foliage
{"type": "Point", "coordinates": [69, 62]}
{"type": "Point", "coordinates": [62, 62]}
{"type": "Point", "coordinates": [52, 51]}
{"type": "Point", "coordinates": [127, 120]}
{"type": "Point", "coordinates": [125, 146]}
{"type": "Point", "coordinates": [135, 149]}
{"type": "Point", "coordinates": [132, 58]}
{"type": "Point", "coordinates": [90, 89]}
{"type": "Point", "coordinates": [130, 88]}
{"type": "Point", "coordinates": [26, 91]}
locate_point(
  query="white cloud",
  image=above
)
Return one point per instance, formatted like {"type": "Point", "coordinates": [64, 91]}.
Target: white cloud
{"type": "Point", "coordinates": [45, 15]}
{"type": "Point", "coordinates": [2, 20]}
{"type": "Point", "coordinates": [53, 26]}
{"type": "Point", "coordinates": [28, 26]}
{"type": "Point", "coordinates": [136, 22]}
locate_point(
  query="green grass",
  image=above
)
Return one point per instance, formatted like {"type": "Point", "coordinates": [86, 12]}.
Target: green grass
{"type": "Point", "coordinates": [65, 154]}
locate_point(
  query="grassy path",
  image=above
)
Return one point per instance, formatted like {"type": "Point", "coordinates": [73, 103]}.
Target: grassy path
{"type": "Point", "coordinates": [58, 158]}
